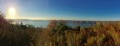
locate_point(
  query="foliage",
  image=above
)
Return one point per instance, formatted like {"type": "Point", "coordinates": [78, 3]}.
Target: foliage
{"type": "Point", "coordinates": [59, 34]}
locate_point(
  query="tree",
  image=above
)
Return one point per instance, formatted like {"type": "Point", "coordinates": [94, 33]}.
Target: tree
{"type": "Point", "coordinates": [2, 19]}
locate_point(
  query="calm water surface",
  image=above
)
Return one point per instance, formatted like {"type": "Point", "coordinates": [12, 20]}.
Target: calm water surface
{"type": "Point", "coordinates": [43, 24]}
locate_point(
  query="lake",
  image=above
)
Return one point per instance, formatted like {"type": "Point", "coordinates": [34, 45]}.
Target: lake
{"type": "Point", "coordinates": [44, 24]}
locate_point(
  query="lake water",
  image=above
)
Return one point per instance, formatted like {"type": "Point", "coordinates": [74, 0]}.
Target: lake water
{"type": "Point", "coordinates": [44, 24]}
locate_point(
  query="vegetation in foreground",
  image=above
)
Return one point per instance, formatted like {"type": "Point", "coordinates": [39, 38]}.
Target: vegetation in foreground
{"type": "Point", "coordinates": [59, 34]}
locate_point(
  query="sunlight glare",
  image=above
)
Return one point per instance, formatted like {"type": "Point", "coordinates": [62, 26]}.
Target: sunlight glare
{"type": "Point", "coordinates": [11, 13]}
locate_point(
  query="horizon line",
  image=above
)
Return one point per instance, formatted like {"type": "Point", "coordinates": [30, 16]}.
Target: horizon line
{"type": "Point", "coordinates": [60, 19]}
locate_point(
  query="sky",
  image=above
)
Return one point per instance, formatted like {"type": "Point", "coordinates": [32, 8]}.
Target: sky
{"type": "Point", "coordinates": [64, 9]}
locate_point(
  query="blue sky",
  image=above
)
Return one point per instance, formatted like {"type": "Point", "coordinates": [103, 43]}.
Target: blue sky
{"type": "Point", "coordinates": [65, 9]}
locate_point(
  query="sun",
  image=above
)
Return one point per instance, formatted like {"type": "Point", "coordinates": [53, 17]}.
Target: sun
{"type": "Point", "coordinates": [11, 13]}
